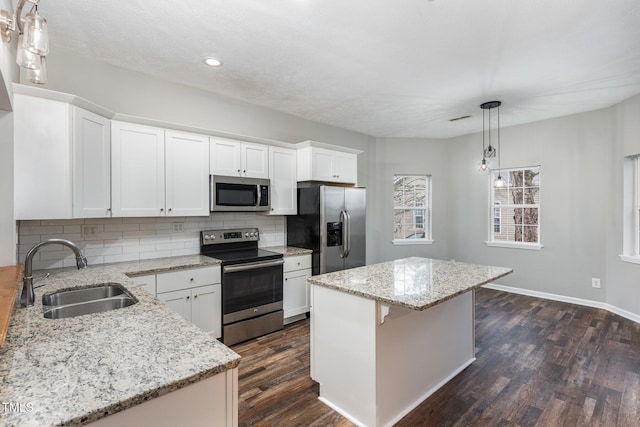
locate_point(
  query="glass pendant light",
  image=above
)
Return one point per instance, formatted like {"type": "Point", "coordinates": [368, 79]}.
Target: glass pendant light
{"type": "Point", "coordinates": [36, 37]}
{"type": "Point", "coordinates": [38, 75]}
{"type": "Point", "coordinates": [26, 58]}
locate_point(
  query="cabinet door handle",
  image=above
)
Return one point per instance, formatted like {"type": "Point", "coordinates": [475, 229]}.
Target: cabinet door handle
{"type": "Point", "coordinates": [195, 296]}
{"type": "Point", "coordinates": [286, 278]}
{"type": "Point", "coordinates": [191, 280]}
{"type": "Point", "coordinates": [170, 209]}
{"type": "Point", "coordinates": [188, 297]}
{"type": "Point", "coordinates": [161, 209]}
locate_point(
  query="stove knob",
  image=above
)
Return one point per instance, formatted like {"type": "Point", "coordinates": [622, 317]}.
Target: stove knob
{"type": "Point", "coordinates": [256, 234]}
{"type": "Point", "coordinates": [246, 234]}
{"type": "Point", "coordinates": [213, 237]}
{"type": "Point", "coordinates": [206, 237]}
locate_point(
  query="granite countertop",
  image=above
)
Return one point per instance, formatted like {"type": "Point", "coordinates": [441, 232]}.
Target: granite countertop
{"type": "Point", "coordinates": [289, 250]}
{"type": "Point", "coordinates": [77, 370]}
{"type": "Point", "coordinates": [415, 283]}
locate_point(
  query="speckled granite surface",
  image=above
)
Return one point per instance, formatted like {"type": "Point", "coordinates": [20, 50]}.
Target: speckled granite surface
{"type": "Point", "coordinates": [289, 250]}
{"type": "Point", "coordinates": [415, 283]}
{"type": "Point", "coordinates": [76, 370]}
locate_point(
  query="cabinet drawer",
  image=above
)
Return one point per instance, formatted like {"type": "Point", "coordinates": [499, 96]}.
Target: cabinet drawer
{"type": "Point", "coordinates": [299, 262]}
{"type": "Point", "coordinates": [184, 279]}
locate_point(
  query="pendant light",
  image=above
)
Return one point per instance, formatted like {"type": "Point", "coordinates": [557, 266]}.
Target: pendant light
{"type": "Point", "coordinates": [33, 39]}
{"type": "Point", "coordinates": [488, 151]}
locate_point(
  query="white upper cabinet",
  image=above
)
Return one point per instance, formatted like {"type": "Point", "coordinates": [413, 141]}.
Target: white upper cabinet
{"type": "Point", "coordinates": [255, 163]}
{"type": "Point", "coordinates": [237, 158]}
{"type": "Point", "coordinates": [137, 170]}
{"type": "Point", "coordinates": [91, 165]}
{"type": "Point", "coordinates": [321, 164]}
{"type": "Point", "coordinates": [187, 173]}
{"type": "Point", "coordinates": [158, 172]}
{"type": "Point", "coordinates": [282, 174]}
{"type": "Point", "coordinates": [61, 160]}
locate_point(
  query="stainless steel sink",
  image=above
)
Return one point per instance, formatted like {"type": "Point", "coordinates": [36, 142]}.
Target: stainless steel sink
{"type": "Point", "coordinates": [77, 302]}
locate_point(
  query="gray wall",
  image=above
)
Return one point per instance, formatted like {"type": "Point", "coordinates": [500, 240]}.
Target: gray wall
{"type": "Point", "coordinates": [409, 156]}
{"type": "Point", "coordinates": [576, 172]}
{"type": "Point", "coordinates": [623, 278]}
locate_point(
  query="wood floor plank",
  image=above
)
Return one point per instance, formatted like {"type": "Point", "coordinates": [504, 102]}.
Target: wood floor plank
{"type": "Point", "coordinates": [539, 363]}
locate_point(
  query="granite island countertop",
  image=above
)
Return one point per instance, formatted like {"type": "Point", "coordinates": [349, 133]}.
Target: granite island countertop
{"type": "Point", "coordinates": [415, 283]}
{"type": "Point", "coordinates": [76, 370]}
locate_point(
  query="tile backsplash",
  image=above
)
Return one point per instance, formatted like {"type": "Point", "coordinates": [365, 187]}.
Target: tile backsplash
{"type": "Point", "coordinates": [130, 239]}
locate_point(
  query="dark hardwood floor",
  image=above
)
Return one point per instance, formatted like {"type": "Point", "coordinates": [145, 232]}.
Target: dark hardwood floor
{"type": "Point", "coordinates": [539, 363]}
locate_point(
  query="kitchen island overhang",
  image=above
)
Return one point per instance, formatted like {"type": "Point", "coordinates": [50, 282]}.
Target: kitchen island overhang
{"type": "Point", "coordinates": [384, 337]}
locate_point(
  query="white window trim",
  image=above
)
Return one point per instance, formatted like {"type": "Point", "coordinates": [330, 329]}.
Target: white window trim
{"type": "Point", "coordinates": [400, 242]}
{"type": "Point", "coordinates": [631, 206]}
{"type": "Point", "coordinates": [633, 259]}
{"type": "Point", "coordinates": [514, 245]}
{"type": "Point", "coordinates": [428, 213]}
{"type": "Point", "coordinates": [509, 244]}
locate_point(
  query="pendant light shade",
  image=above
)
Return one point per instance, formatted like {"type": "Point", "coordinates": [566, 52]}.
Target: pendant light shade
{"type": "Point", "coordinates": [38, 75]}
{"type": "Point", "coordinates": [36, 37]}
{"type": "Point", "coordinates": [25, 58]}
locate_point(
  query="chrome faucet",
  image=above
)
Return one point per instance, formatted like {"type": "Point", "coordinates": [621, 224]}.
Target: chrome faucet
{"type": "Point", "coordinates": [28, 296]}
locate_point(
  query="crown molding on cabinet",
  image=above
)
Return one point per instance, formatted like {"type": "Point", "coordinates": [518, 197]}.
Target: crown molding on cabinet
{"type": "Point", "coordinates": [97, 109]}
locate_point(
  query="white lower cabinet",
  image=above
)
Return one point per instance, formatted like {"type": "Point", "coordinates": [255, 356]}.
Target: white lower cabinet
{"type": "Point", "coordinates": [295, 301]}
{"type": "Point", "coordinates": [194, 294]}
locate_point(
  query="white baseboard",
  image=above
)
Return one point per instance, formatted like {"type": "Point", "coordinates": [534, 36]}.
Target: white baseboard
{"type": "Point", "coordinates": [554, 297]}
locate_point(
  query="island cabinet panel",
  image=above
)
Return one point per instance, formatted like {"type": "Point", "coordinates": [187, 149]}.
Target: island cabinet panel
{"type": "Point", "coordinates": [211, 402]}
{"type": "Point", "coordinates": [376, 362]}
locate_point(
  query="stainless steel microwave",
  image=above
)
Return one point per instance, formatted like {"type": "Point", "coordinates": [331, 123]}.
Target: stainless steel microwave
{"type": "Point", "coordinates": [233, 194]}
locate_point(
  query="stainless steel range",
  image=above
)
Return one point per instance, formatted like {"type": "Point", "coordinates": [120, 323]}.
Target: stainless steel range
{"type": "Point", "coordinates": [251, 283]}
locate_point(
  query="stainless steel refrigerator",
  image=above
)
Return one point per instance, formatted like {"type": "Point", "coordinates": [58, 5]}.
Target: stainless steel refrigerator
{"type": "Point", "coordinates": [331, 222]}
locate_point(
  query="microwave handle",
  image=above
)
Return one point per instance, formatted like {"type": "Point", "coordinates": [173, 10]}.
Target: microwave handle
{"type": "Point", "coordinates": [259, 194]}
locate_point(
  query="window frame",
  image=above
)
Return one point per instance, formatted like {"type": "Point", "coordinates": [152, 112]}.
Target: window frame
{"type": "Point", "coordinates": [631, 207]}
{"type": "Point", "coordinates": [491, 241]}
{"type": "Point", "coordinates": [426, 209]}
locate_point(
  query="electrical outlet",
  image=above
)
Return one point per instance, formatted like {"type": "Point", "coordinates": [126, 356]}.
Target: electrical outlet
{"type": "Point", "coordinates": [595, 283]}
{"type": "Point", "coordinates": [88, 230]}
{"type": "Point", "coordinates": [177, 227]}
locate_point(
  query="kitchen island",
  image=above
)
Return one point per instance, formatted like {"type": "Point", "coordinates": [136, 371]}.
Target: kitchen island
{"type": "Point", "coordinates": [386, 336]}
{"type": "Point", "coordinates": [139, 365]}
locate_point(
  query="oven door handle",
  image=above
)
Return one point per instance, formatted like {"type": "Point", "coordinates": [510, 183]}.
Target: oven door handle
{"type": "Point", "coordinates": [251, 266]}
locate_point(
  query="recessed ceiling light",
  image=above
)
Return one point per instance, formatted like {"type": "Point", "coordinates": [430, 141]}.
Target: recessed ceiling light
{"type": "Point", "coordinates": [213, 62]}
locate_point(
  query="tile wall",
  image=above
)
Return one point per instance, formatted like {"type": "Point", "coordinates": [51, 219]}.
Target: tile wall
{"type": "Point", "coordinates": [132, 239]}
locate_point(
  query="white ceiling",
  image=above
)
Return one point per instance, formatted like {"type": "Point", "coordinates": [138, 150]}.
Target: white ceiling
{"type": "Point", "coordinates": [387, 68]}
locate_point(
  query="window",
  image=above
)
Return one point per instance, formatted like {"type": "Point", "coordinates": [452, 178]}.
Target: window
{"type": "Point", "coordinates": [631, 218]}
{"type": "Point", "coordinates": [515, 208]}
{"type": "Point", "coordinates": [411, 209]}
